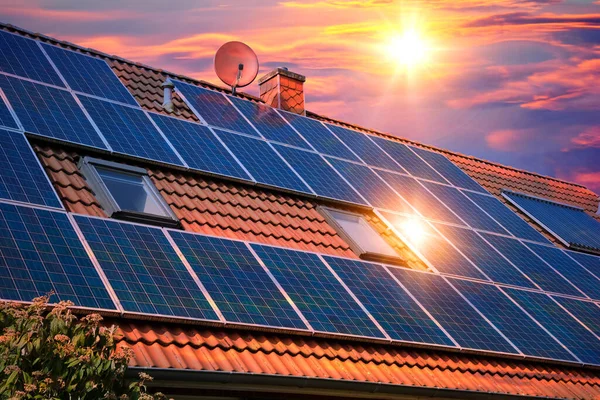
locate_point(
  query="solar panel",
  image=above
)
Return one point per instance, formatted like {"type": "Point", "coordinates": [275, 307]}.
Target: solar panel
{"type": "Point", "coordinates": [22, 57]}
{"type": "Point", "coordinates": [214, 108]}
{"type": "Point", "coordinates": [568, 224]}
{"type": "Point", "coordinates": [531, 265]}
{"type": "Point", "coordinates": [269, 123]}
{"type": "Point", "coordinates": [448, 170]}
{"type": "Point", "coordinates": [129, 130]}
{"type": "Point", "coordinates": [369, 185]}
{"type": "Point", "coordinates": [577, 275]}
{"type": "Point", "coordinates": [199, 147]}
{"type": "Point", "coordinates": [144, 270]}
{"type": "Point", "coordinates": [237, 283]}
{"type": "Point", "coordinates": [322, 300]}
{"type": "Point", "coordinates": [455, 314]}
{"type": "Point", "coordinates": [262, 161]}
{"type": "Point", "coordinates": [517, 326]}
{"type": "Point", "coordinates": [6, 118]}
{"type": "Point", "coordinates": [462, 207]}
{"type": "Point", "coordinates": [422, 200]}
{"type": "Point", "coordinates": [51, 112]}
{"type": "Point", "coordinates": [506, 217]}
{"type": "Point", "coordinates": [484, 256]}
{"type": "Point", "coordinates": [89, 75]}
{"type": "Point", "coordinates": [365, 148]}
{"type": "Point", "coordinates": [408, 160]}
{"type": "Point", "coordinates": [559, 323]}
{"type": "Point", "coordinates": [318, 136]}
{"type": "Point", "coordinates": [433, 247]}
{"type": "Point", "coordinates": [585, 311]}
{"type": "Point", "coordinates": [21, 175]}
{"type": "Point", "coordinates": [588, 261]}
{"type": "Point", "coordinates": [319, 175]}
{"type": "Point", "coordinates": [391, 306]}
{"type": "Point", "coordinates": [40, 252]}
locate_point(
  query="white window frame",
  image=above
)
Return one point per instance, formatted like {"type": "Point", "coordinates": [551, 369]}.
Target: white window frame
{"type": "Point", "coordinates": [362, 253]}
{"type": "Point", "coordinates": [87, 166]}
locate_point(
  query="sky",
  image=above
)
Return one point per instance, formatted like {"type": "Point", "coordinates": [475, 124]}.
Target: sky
{"type": "Point", "coordinates": [512, 81]}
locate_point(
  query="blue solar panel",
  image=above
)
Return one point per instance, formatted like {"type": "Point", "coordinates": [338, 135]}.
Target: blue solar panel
{"type": "Point", "coordinates": [570, 224]}
{"type": "Point", "coordinates": [390, 305]}
{"type": "Point", "coordinates": [269, 123]}
{"type": "Point", "coordinates": [484, 256]}
{"type": "Point", "coordinates": [144, 270]}
{"type": "Point", "coordinates": [214, 108]}
{"type": "Point", "coordinates": [51, 112]}
{"type": "Point", "coordinates": [423, 201]}
{"type": "Point", "coordinates": [437, 250]}
{"type": "Point", "coordinates": [238, 284]}
{"type": "Point", "coordinates": [584, 311]}
{"type": "Point", "coordinates": [517, 326]}
{"type": "Point", "coordinates": [199, 147]}
{"type": "Point", "coordinates": [577, 275]}
{"type": "Point", "coordinates": [369, 185]}
{"type": "Point", "coordinates": [89, 75]}
{"type": "Point", "coordinates": [448, 170]}
{"type": "Point", "coordinates": [22, 57]}
{"type": "Point", "coordinates": [322, 300]}
{"type": "Point", "coordinates": [589, 262]}
{"type": "Point", "coordinates": [560, 324]}
{"type": "Point", "coordinates": [21, 175]}
{"type": "Point", "coordinates": [6, 118]}
{"type": "Point", "coordinates": [462, 207]}
{"type": "Point", "coordinates": [40, 252]}
{"type": "Point", "coordinates": [365, 148]}
{"type": "Point", "coordinates": [408, 160]}
{"type": "Point", "coordinates": [318, 136]}
{"type": "Point", "coordinates": [319, 175]}
{"type": "Point", "coordinates": [531, 265]}
{"type": "Point", "coordinates": [262, 161]}
{"type": "Point", "coordinates": [506, 217]}
{"type": "Point", "coordinates": [455, 315]}
{"type": "Point", "coordinates": [129, 130]}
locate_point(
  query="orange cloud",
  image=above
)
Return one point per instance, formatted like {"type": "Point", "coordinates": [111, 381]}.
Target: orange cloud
{"type": "Point", "coordinates": [68, 15]}
{"type": "Point", "coordinates": [339, 4]}
{"type": "Point", "coordinates": [590, 137]}
{"type": "Point", "coordinates": [507, 139]}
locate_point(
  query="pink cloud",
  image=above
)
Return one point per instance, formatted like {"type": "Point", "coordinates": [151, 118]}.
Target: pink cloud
{"type": "Point", "coordinates": [590, 137]}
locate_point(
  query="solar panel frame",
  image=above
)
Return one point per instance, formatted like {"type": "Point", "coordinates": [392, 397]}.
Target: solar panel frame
{"type": "Point", "coordinates": [585, 311]}
{"type": "Point", "coordinates": [7, 118]}
{"type": "Point", "coordinates": [588, 261]}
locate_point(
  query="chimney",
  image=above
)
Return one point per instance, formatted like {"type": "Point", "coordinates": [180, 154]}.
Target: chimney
{"type": "Point", "coordinates": [283, 89]}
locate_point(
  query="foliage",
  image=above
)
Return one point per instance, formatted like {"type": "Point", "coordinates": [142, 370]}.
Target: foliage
{"type": "Point", "coordinates": [54, 355]}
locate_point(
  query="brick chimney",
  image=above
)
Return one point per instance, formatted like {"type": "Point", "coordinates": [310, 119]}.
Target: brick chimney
{"type": "Point", "coordinates": [283, 89]}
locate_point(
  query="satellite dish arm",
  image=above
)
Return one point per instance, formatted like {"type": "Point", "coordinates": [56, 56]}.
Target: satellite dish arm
{"type": "Point", "coordinates": [237, 80]}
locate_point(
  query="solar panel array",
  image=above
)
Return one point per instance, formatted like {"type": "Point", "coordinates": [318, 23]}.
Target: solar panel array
{"type": "Point", "coordinates": [6, 118]}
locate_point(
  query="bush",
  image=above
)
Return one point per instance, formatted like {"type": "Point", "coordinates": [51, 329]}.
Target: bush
{"type": "Point", "coordinates": [55, 355]}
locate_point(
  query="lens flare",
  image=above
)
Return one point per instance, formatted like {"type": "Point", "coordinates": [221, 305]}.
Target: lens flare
{"type": "Point", "coordinates": [414, 231]}
{"type": "Point", "coordinates": [408, 49]}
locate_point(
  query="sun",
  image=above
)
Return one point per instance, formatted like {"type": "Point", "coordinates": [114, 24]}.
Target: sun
{"type": "Point", "coordinates": [408, 49]}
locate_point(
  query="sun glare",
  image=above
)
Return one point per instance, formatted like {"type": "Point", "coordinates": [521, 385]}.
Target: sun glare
{"type": "Point", "coordinates": [414, 231]}
{"type": "Point", "coordinates": [408, 49]}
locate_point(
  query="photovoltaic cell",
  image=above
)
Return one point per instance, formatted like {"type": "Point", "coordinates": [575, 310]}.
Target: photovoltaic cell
{"type": "Point", "coordinates": [457, 316]}
{"type": "Point", "coordinates": [199, 147]}
{"type": "Point", "coordinates": [89, 75]}
{"type": "Point", "coordinates": [531, 265]}
{"type": "Point", "coordinates": [214, 108]}
{"type": "Point", "coordinates": [560, 324]}
{"type": "Point", "coordinates": [448, 170]}
{"type": "Point", "coordinates": [238, 284]}
{"type": "Point", "coordinates": [129, 130]}
{"type": "Point", "coordinates": [584, 311]}
{"type": "Point", "coordinates": [51, 112]}
{"type": "Point", "coordinates": [21, 176]}
{"type": "Point", "coordinates": [318, 136]}
{"type": "Point", "coordinates": [40, 252]}
{"type": "Point", "coordinates": [144, 270]}
{"type": "Point", "coordinates": [6, 118]}
{"type": "Point", "coordinates": [506, 217]}
{"type": "Point", "coordinates": [369, 185]}
{"type": "Point", "coordinates": [365, 148]}
{"type": "Point", "coordinates": [390, 305]}
{"type": "Point", "coordinates": [423, 201]}
{"type": "Point", "coordinates": [319, 175]}
{"type": "Point", "coordinates": [408, 160]}
{"type": "Point", "coordinates": [322, 300]}
{"type": "Point", "coordinates": [517, 326]}
{"type": "Point", "coordinates": [589, 262]}
{"type": "Point", "coordinates": [22, 57]}
{"type": "Point", "coordinates": [570, 224]}
{"type": "Point", "coordinates": [270, 124]}
{"type": "Point", "coordinates": [484, 256]}
{"type": "Point", "coordinates": [577, 275]}
{"type": "Point", "coordinates": [262, 161]}
{"type": "Point", "coordinates": [457, 202]}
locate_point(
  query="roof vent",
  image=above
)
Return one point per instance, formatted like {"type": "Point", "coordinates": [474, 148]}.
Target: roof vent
{"type": "Point", "coordinates": [168, 87]}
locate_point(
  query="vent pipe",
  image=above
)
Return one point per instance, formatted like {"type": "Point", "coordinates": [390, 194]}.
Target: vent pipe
{"type": "Point", "coordinates": [168, 87]}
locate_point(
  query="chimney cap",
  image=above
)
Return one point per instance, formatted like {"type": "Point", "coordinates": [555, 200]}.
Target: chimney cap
{"type": "Point", "coordinates": [282, 71]}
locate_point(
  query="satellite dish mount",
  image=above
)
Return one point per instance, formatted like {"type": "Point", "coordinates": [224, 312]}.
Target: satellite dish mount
{"type": "Point", "coordinates": [236, 65]}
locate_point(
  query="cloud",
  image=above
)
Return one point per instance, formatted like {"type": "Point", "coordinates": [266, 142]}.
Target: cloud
{"type": "Point", "coordinates": [525, 18]}
{"type": "Point", "coordinates": [338, 4]}
{"type": "Point", "coordinates": [590, 137]}
{"type": "Point", "coordinates": [506, 139]}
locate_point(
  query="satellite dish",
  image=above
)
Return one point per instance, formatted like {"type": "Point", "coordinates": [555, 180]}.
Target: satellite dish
{"type": "Point", "coordinates": [236, 64]}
